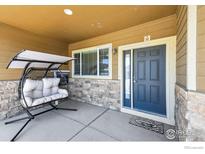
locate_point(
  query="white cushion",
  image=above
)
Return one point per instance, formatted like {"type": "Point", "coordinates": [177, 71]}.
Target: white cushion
{"type": "Point", "coordinates": [38, 101]}
{"type": "Point", "coordinates": [47, 99]}
{"type": "Point", "coordinates": [29, 101]}
{"type": "Point", "coordinates": [41, 101]}
{"type": "Point", "coordinates": [58, 96]}
{"type": "Point", "coordinates": [33, 88]}
{"type": "Point", "coordinates": [37, 92]}
{"type": "Point", "coordinates": [50, 86]}
{"type": "Point", "coordinates": [63, 91]}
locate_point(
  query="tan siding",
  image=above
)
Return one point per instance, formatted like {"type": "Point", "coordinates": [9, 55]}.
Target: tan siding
{"type": "Point", "coordinates": [13, 40]}
{"type": "Point", "coordinates": [200, 55]}
{"type": "Point", "coordinates": [181, 61]}
{"type": "Point", "coordinates": [201, 69]}
{"type": "Point", "coordinates": [160, 28]}
{"type": "Point", "coordinates": [181, 70]}
{"type": "Point", "coordinates": [181, 45]}
{"type": "Point", "coordinates": [181, 79]}
{"type": "Point", "coordinates": [200, 83]}
{"type": "Point", "coordinates": [200, 40]}
{"type": "Point", "coordinates": [201, 48]}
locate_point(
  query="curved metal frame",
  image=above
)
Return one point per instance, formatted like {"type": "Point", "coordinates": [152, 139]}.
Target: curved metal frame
{"type": "Point", "coordinates": [14, 58]}
{"type": "Point", "coordinates": [27, 70]}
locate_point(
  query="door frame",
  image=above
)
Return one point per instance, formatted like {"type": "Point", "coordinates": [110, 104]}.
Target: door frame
{"type": "Point", "coordinates": [170, 43]}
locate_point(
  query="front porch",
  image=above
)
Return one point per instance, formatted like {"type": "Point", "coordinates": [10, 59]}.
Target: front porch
{"type": "Point", "coordinates": [151, 68]}
{"type": "Point", "coordinates": [89, 123]}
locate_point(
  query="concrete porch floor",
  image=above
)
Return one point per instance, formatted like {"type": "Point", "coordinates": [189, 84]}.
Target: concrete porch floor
{"type": "Point", "coordinates": [89, 123]}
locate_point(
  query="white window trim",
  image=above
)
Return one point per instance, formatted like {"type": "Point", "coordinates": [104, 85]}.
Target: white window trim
{"type": "Point", "coordinates": [94, 76]}
{"type": "Point", "coordinates": [170, 78]}
{"type": "Point", "coordinates": [191, 46]}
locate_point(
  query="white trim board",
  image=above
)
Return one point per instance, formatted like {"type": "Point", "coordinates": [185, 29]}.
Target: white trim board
{"type": "Point", "coordinates": [170, 77]}
{"type": "Point", "coordinates": [191, 47]}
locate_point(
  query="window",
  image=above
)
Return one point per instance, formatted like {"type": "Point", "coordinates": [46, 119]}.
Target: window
{"type": "Point", "coordinates": [93, 62]}
{"type": "Point", "coordinates": [127, 78]}
{"type": "Point", "coordinates": [89, 62]}
{"type": "Point", "coordinates": [77, 64]}
{"type": "Point", "coordinates": [104, 61]}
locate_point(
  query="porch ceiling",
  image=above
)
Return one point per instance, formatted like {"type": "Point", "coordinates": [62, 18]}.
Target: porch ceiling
{"type": "Point", "coordinates": [86, 21]}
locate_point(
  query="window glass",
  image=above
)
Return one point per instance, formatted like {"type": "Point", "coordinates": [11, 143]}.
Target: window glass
{"type": "Point", "coordinates": [77, 64]}
{"type": "Point", "coordinates": [127, 78]}
{"type": "Point", "coordinates": [89, 62]}
{"type": "Point", "coordinates": [104, 61]}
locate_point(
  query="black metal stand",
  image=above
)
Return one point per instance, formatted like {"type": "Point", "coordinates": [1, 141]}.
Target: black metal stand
{"type": "Point", "coordinates": [32, 116]}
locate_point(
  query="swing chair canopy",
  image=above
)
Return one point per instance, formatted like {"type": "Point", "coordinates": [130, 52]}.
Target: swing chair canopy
{"type": "Point", "coordinates": [39, 91]}
{"type": "Point", "coordinates": [38, 60]}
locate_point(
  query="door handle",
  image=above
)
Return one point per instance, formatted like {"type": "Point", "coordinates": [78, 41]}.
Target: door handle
{"type": "Point", "coordinates": [135, 81]}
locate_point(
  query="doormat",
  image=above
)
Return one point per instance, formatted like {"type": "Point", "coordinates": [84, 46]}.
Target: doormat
{"type": "Point", "coordinates": [148, 124]}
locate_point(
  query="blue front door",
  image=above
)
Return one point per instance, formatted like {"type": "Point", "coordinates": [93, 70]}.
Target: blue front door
{"type": "Point", "coordinates": [149, 91]}
{"type": "Point", "coordinates": [144, 85]}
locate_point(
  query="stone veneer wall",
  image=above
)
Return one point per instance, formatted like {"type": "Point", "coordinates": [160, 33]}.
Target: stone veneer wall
{"type": "Point", "coordinates": [190, 115]}
{"type": "Point", "coordinates": [98, 92]}
{"type": "Point", "coordinates": [9, 102]}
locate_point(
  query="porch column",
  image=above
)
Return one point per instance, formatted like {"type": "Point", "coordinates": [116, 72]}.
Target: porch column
{"type": "Point", "coordinates": [191, 47]}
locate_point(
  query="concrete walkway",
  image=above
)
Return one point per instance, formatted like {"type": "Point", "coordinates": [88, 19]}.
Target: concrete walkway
{"type": "Point", "coordinates": [89, 123]}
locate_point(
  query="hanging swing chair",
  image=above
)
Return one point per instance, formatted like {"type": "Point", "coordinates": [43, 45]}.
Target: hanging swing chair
{"type": "Point", "coordinates": [41, 90]}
